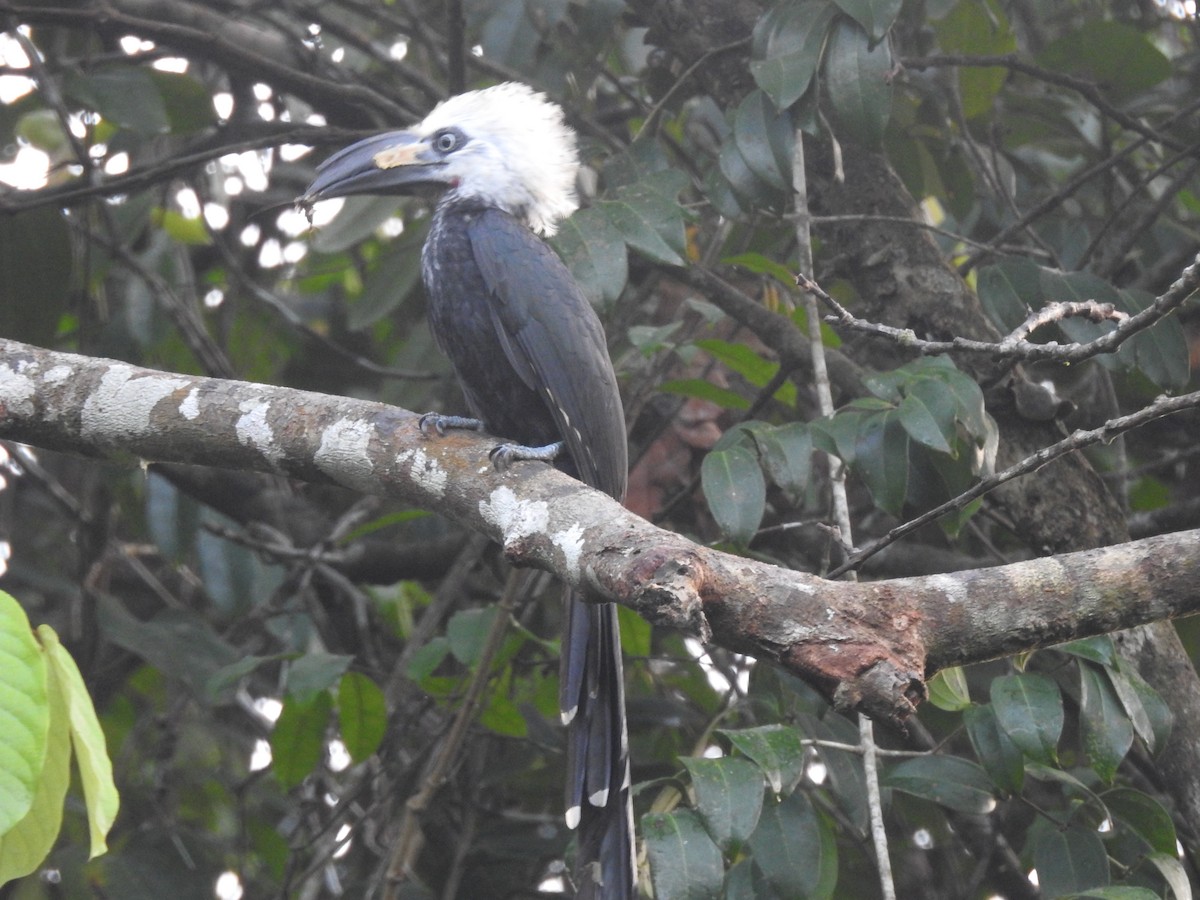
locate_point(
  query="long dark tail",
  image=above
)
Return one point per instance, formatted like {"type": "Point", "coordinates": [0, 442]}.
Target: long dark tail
{"type": "Point", "coordinates": [592, 698]}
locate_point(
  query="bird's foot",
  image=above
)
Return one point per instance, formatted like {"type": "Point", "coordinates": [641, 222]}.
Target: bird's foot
{"type": "Point", "coordinates": [504, 455]}
{"type": "Point", "coordinates": [440, 423]}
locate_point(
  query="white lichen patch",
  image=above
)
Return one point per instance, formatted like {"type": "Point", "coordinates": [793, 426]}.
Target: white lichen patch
{"type": "Point", "coordinates": [570, 544]}
{"type": "Point", "coordinates": [58, 374]}
{"type": "Point", "coordinates": [123, 403]}
{"type": "Point", "coordinates": [424, 471]}
{"type": "Point", "coordinates": [16, 391]}
{"type": "Point", "coordinates": [253, 430]}
{"type": "Point", "coordinates": [513, 517]}
{"type": "Point", "coordinates": [344, 454]}
{"type": "Point", "coordinates": [952, 588]}
{"type": "Point", "coordinates": [190, 407]}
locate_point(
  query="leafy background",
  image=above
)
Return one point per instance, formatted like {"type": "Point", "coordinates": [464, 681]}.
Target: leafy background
{"type": "Point", "coordinates": [275, 663]}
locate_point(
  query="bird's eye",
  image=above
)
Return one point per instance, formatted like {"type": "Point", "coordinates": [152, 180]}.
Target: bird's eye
{"type": "Point", "coordinates": [446, 141]}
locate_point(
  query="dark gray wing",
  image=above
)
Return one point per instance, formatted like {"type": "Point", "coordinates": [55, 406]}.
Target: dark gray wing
{"type": "Point", "coordinates": [555, 343]}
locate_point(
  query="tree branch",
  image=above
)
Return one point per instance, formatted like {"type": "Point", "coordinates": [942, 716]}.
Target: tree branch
{"type": "Point", "coordinates": [866, 646]}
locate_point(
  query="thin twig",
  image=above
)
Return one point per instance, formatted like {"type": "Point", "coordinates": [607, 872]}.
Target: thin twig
{"type": "Point", "coordinates": [841, 508]}
{"type": "Point", "coordinates": [1087, 89]}
{"type": "Point", "coordinates": [1077, 440]}
{"type": "Point", "coordinates": [408, 843]}
{"type": "Point", "coordinates": [1014, 346]}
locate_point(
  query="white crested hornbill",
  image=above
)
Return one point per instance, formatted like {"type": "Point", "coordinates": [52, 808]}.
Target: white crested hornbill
{"type": "Point", "coordinates": [531, 357]}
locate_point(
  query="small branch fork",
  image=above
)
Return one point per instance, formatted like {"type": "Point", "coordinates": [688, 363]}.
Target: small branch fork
{"type": "Point", "coordinates": [1016, 345]}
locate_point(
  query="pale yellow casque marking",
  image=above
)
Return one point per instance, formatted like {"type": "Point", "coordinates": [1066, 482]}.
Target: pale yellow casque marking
{"type": "Point", "coordinates": [404, 155]}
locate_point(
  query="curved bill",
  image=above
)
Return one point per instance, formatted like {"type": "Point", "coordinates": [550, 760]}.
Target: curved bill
{"type": "Point", "coordinates": [390, 163]}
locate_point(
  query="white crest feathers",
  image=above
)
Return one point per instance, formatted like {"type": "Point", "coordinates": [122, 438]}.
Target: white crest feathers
{"type": "Point", "coordinates": [519, 154]}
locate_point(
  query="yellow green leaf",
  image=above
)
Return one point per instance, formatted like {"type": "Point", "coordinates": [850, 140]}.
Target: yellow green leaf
{"type": "Point", "coordinates": [24, 846]}
{"type": "Point", "coordinates": [23, 713]}
{"type": "Point", "coordinates": [91, 754]}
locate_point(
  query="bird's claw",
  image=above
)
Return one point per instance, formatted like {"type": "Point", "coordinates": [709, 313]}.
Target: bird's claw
{"type": "Point", "coordinates": [440, 423]}
{"type": "Point", "coordinates": [504, 455]}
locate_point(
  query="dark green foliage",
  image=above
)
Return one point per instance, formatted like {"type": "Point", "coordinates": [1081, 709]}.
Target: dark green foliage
{"type": "Point", "coordinates": [201, 603]}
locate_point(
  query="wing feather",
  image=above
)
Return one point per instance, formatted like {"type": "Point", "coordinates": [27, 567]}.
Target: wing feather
{"type": "Point", "coordinates": [555, 343]}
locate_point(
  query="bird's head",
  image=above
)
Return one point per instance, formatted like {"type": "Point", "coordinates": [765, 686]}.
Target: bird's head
{"type": "Point", "coordinates": [506, 146]}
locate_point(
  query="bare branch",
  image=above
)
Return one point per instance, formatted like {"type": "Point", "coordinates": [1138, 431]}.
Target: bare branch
{"type": "Point", "coordinates": [866, 646]}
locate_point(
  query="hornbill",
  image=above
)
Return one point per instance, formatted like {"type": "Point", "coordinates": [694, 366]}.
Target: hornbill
{"type": "Point", "coordinates": [531, 357]}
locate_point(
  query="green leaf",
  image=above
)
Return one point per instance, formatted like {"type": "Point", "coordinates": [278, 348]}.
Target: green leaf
{"type": "Point", "coordinates": [425, 660]}
{"type": "Point", "coordinates": [762, 265]}
{"type": "Point", "coordinates": [1001, 758]}
{"type": "Point", "coordinates": [27, 843]}
{"type": "Point", "coordinates": [922, 424]}
{"type": "Point", "coordinates": [36, 263]}
{"type": "Point", "coordinates": [684, 862]}
{"type": "Point", "coordinates": [182, 230]}
{"type": "Point", "coordinates": [1161, 350]}
{"type": "Point", "coordinates": [795, 849]}
{"type": "Point", "coordinates": [1152, 718]}
{"type": "Point", "coordinates": [356, 220]}
{"type": "Point", "coordinates": [875, 16]}
{"type": "Point", "coordinates": [227, 677]}
{"type": "Point", "coordinates": [946, 780]}
{"type": "Point", "coordinates": [125, 95]}
{"type": "Point", "coordinates": [736, 491]}
{"type": "Point", "coordinates": [729, 798]}
{"type": "Point", "coordinates": [787, 456]}
{"type": "Point", "coordinates": [362, 715]}
{"type": "Point", "coordinates": [313, 673]}
{"type": "Point", "coordinates": [978, 29]}
{"type": "Point", "coordinates": [87, 739]}
{"type": "Point", "coordinates": [1069, 861]}
{"type": "Point", "coordinates": [1074, 786]}
{"type": "Point", "coordinates": [1029, 708]}
{"type": "Point", "coordinates": [636, 633]}
{"type": "Point", "coordinates": [705, 390]}
{"type": "Point", "coordinates": [1090, 51]}
{"type": "Point", "coordinates": [595, 253]}
{"type": "Point", "coordinates": [968, 399]}
{"type": "Point", "coordinates": [765, 138]}
{"type": "Point", "coordinates": [948, 690]}
{"type": "Point", "coordinates": [500, 714]}
{"type": "Point", "coordinates": [1107, 731]}
{"type": "Point", "coordinates": [1009, 290]}
{"type": "Point", "coordinates": [1098, 649]}
{"type": "Point", "coordinates": [650, 339]}
{"type": "Point", "coordinates": [467, 632]}
{"type": "Point", "coordinates": [843, 768]}
{"type": "Point", "coordinates": [1144, 816]}
{"type": "Point", "coordinates": [649, 218]}
{"type": "Point", "coordinates": [835, 435]}
{"type": "Point", "coordinates": [776, 749]}
{"type": "Point", "coordinates": [940, 405]}
{"type": "Point", "coordinates": [187, 102]}
{"type": "Point", "coordinates": [1173, 872]}
{"type": "Point", "coordinates": [739, 882]}
{"type": "Point", "coordinates": [750, 365]}
{"type": "Point", "coordinates": [389, 283]}
{"type": "Point", "coordinates": [43, 129]}
{"type": "Point", "coordinates": [857, 81]}
{"type": "Point", "coordinates": [881, 460]}
{"type": "Point", "coordinates": [25, 710]}
{"type": "Point", "coordinates": [1117, 892]}
{"type": "Point", "coordinates": [792, 36]}
{"type": "Point", "coordinates": [298, 741]}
